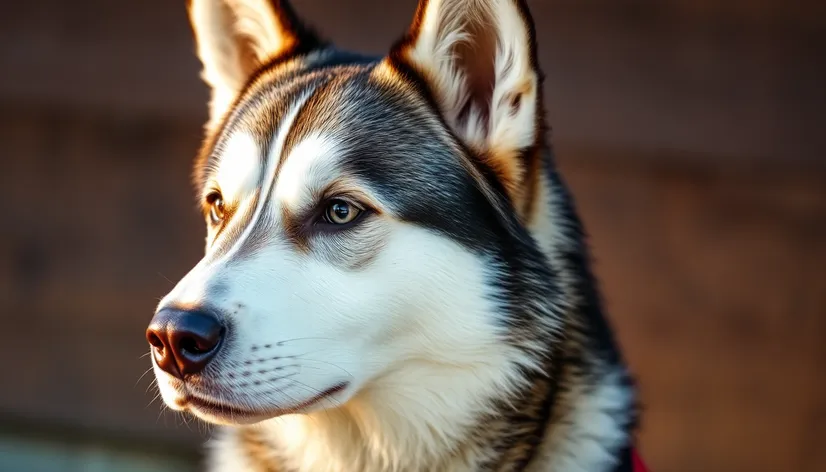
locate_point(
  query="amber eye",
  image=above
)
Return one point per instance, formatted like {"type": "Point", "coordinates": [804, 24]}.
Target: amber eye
{"type": "Point", "coordinates": [340, 212]}
{"type": "Point", "coordinates": [216, 208]}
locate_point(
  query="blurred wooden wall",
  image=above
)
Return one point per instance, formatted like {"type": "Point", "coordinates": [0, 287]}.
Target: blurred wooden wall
{"type": "Point", "coordinates": [692, 132]}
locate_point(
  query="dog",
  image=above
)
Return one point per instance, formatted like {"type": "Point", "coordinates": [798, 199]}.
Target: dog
{"type": "Point", "coordinates": [395, 276]}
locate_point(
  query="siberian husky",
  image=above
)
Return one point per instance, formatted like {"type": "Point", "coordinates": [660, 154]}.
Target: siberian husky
{"type": "Point", "coordinates": [395, 278]}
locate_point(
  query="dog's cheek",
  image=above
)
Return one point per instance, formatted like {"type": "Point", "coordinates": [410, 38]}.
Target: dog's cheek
{"type": "Point", "coordinates": [352, 250]}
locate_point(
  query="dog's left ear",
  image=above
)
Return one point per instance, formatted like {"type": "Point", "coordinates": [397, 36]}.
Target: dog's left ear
{"type": "Point", "coordinates": [478, 59]}
{"type": "Point", "coordinates": [236, 37]}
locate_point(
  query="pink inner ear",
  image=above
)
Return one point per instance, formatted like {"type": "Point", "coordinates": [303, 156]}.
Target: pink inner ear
{"type": "Point", "coordinates": [249, 60]}
{"type": "Point", "coordinates": [475, 57]}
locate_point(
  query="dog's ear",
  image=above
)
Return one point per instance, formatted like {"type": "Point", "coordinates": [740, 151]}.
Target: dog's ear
{"type": "Point", "coordinates": [478, 59]}
{"type": "Point", "coordinates": [236, 37]}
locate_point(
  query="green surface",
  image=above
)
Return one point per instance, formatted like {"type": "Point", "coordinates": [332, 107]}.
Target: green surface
{"type": "Point", "coordinates": [18, 454]}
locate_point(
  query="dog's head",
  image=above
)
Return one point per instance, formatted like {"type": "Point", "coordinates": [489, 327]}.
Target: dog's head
{"type": "Point", "coordinates": [363, 215]}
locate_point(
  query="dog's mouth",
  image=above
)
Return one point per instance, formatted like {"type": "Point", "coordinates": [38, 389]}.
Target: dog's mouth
{"type": "Point", "coordinates": [225, 412]}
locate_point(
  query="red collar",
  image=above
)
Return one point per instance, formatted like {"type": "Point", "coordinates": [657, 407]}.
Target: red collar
{"type": "Point", "coordinates": [636, 462]}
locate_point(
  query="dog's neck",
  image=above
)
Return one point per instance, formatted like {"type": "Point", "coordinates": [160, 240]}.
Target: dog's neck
{"type": "Point", "coordinates": [494, 416]}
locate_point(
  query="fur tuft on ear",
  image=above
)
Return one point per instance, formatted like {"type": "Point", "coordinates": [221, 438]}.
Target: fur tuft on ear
{"type": "Point", "coordinates": [236, 37]}
{"type": "Point", "coordinates": [478, 59]}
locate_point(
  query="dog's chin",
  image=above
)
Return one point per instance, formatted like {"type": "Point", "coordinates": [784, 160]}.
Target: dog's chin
{"type": "Point", "coordinates": [222, 412]}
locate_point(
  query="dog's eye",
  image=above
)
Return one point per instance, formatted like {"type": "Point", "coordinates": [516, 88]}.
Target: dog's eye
{"type": "Point", "coordinates": [340, 212]}
{"type": "Point", "coordinates": [216, 208]}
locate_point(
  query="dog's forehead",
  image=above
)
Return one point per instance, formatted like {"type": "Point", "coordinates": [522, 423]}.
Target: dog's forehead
{"type": "Point", "coordinates": [348, 121]}
{"type": "Point", "coordinates": [381, 131]}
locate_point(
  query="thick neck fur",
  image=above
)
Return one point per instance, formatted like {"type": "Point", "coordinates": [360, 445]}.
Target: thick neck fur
{"type": "Point", "coordinates": [577, 416]}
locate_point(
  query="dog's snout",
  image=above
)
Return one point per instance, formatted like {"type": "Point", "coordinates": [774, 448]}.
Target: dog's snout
{"type": "Point", "coordinates": [183, 342]}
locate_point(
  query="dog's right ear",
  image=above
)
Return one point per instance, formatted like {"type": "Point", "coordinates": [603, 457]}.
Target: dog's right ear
{"type": "Point", "coordinates": [236, 37]}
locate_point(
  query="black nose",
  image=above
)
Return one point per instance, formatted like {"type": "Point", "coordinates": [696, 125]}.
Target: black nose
{"type": "Point", "coordinates": [183, 342]}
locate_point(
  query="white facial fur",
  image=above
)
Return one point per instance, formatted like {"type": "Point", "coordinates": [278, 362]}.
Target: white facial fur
{"type": "Point", "coordinates": [239, 171]}
{"type": "Point", "coordinates": [412, 330]}
{"type": "Point", "coordinates": [405, 317]}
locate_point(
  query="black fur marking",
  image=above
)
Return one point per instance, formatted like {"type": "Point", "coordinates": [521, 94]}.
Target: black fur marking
{"type": "Point", "coordinates": [428, 185]}
{"type": "Point", "coordinates": [626, 463]}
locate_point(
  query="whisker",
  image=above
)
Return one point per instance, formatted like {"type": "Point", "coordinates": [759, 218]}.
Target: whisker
{"type": "Point", "coordinates": [153, 383]}
{"type": "Point", "coordinates": [285, 341]}
{"type": "Point", "coordinates": [160, 413]}
{"type": "Point", "coordinates": [325, 362]}
{"type": "Point", "coordinates": [157, 395]}
{"type": "Point", "coordinates": [315, 392]}
{"type": "Point", "coordinates": [184, 419]}
{"type": "Point", "coordinates": [141, 377]}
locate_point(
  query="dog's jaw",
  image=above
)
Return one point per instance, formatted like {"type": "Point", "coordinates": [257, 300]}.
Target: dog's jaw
{"type": "Point", "coordinates": [386, 428]}
{"type": "Point", "coordinates": [415, 418]}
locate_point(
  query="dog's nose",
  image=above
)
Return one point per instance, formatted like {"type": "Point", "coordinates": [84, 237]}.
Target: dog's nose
{"type": "Point", "coordinates": [183, 342]}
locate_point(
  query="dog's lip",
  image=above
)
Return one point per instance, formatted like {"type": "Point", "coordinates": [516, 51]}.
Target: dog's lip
{"type": "Point", "coordinates": [226, 410]}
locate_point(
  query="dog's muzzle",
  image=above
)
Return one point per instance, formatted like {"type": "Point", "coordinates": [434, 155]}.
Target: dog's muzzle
{"type": "Point", "coordinates": [183, 342]}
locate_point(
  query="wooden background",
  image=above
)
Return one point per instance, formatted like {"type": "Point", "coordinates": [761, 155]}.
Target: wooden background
{"type": "Point", "coordinates": [692, 132]}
